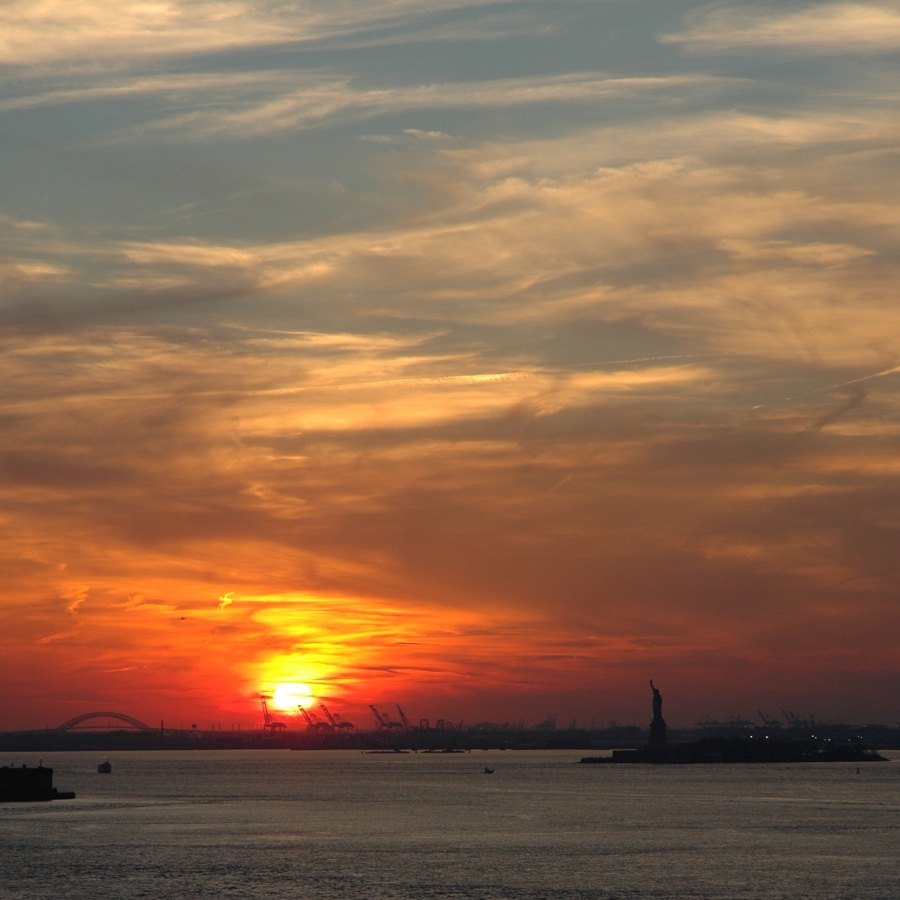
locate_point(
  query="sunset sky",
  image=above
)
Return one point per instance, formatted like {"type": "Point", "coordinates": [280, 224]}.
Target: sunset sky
{"type": "Point", "coordinates": [488, 358]}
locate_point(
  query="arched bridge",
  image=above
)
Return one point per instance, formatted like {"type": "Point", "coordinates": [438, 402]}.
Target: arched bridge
{"type": "Point", "coordinates": [129, 720]}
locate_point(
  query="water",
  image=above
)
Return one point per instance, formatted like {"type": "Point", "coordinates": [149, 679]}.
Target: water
{"type": "Point", "coordinates": [336, 824]}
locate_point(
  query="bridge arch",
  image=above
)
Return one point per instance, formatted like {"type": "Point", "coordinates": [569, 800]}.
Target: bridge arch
{"type": "Point", "coordinates": [130, 720]}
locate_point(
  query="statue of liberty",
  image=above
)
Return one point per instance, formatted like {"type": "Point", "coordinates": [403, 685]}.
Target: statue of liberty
{"type": "Point", "coordinates": [657, 703]}
{"type": "Point", "coordinates": [658, 738]}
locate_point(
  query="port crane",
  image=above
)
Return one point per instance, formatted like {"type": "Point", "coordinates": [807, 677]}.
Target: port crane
{"type": "Point", "coordinates": [796, 721]}
{"type": "Point", "coordinates": [447, 725]}
{"type": "Point", "coordinates": [312, 723]}
{"type": "Point", "coordinates": [407, 725]}
{"type": "Point", "coordinates": [772, 724]}
{"type": "Point", "coordinates": [268, 722]}
{"type": "Point", "coordinates": [334, 720]}
{"type": "Point", "coordinates": [383, 721]}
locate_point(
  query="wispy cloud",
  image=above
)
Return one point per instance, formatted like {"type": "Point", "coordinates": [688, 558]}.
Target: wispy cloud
{"type": "Point", "coordinates": [534, 232]}
{"type": "Point", "coordinates": [327, 99]}
{"type": "Point", "coordinates": [114, 86]}
{"type": "Point", "coordinates": [814, 28]}
{"type": "Point", "coordinates": [387, 370]}
{"type": "Point", "coordinates": [104, 30]}
{"type": "Point", "coordinates": [46, 32]}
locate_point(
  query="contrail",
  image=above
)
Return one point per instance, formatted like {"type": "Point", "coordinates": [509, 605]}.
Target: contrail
{"type": "Point", "coordinates": [868, 377]}
{"type": "Point", "coordinates": [855, 396]}
{"type": "Point", "coordinates": [842, 384]}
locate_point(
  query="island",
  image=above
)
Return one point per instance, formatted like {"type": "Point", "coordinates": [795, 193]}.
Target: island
{"type": "Point", "coordinates": [750, 749]}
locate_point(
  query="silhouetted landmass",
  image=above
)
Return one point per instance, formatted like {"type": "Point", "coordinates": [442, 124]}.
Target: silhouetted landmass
{"type": "Point", "coordinates": [482, 737]}
{"type": "Point", "coordinates": [747, 747]}
{"type": "Point", "coordinates": [728, 742]}
{"type": "Point", "coordinates": [741, 750]}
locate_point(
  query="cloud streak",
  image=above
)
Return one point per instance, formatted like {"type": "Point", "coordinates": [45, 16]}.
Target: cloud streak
{"type": "Point", "coordinates": [329, 100]}
{"type": "Point", "coordinates": [104, 30]}
{"type": "Point", "coordinates": [836, 28]}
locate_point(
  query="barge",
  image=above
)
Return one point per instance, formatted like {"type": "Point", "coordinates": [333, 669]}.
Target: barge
{"type": "Point", "coordinates": [26, 785]}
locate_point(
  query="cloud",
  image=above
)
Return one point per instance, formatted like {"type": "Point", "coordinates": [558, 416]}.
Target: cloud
{"type": "Point", "coordinates": [58, 636]}
{"type": "Point", "coordinates": [327, 100]}
{"type": "Point", "coordinates": [855, 395]}
{"type": "Point", "coordinates": [75, 595]}
{"type": "Point", "coordinates": [176, 88]}
{"type": "Point", "coordinates": [105, 30]}
{"type": "Point", "coordinates": [594, 369]}
{"type": "Point", "coordinates": [835, 28]}
{"type": "Point", "coordinates": [537, 233]}
{"type": "Point", "coordinates": [49, 31]}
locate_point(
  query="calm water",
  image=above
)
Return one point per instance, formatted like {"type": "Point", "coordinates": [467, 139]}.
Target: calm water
{"type": "Point", "coordinates": [346, 825]}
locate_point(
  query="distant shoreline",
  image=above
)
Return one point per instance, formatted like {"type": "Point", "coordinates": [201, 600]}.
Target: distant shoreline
{"type": "Point", "coordinates": [623, 738]}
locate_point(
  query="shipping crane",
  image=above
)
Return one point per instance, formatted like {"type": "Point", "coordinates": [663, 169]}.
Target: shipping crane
{"type": "Point", "coordinates": [383, 721]}
{"type": "Point", "coordinates": [335, 720]}
{"type": "Point", "coordinates": [268, 722]}
{"type": "Point", "coordinates": [343, 725]}
{"type": "Point", "coordinates": [312, 723]}
{"type": "Point", "coordinates": [772, 724]}
{"type": "Point", "coordinates": [328, 715]}
{"type": "Point", "coordinates": [447, 725]}
{"type": "Point", "coordinates": [796, 722]}
{"type": "Point", "coordinates": [407, 725]}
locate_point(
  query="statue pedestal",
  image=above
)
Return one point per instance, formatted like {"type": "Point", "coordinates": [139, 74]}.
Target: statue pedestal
{"type": "Point", "coordinates": [658, 739]}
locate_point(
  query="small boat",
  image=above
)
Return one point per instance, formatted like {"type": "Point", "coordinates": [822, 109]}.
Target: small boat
{"type": "Point", "coordinates": [488, 770]}
{"type": "Point", "coordinates": [104, 767]}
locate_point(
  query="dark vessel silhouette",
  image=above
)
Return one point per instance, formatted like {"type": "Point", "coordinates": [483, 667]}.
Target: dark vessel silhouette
{"type": "Point", "coordinates": [29, 785]}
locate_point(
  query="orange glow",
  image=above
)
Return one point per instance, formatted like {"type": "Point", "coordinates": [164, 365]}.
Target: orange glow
{"type": "Point", "coordinates": [288, 695]}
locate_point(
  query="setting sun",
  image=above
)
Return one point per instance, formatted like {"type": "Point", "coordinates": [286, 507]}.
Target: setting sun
{"type": "Point", "coordinates": [288, 695]}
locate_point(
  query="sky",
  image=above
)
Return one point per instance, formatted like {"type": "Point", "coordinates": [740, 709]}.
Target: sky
{"type": "Point", "coordinates": [485, 358]}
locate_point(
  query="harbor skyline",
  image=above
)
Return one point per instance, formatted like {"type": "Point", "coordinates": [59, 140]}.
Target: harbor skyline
{"type": "Point", "coordinates": [489, 358]}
